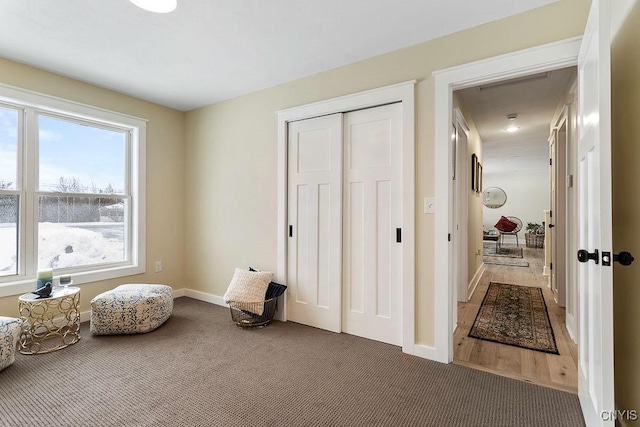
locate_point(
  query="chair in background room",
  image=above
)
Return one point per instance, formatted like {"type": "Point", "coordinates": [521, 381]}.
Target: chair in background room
{"type": "Point", "coordinates": [509, 226]}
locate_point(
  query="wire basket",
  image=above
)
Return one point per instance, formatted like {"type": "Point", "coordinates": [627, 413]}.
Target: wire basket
{"type": "Point", "coordinates": [242, 313]}
{"type": "Point", "coordinates": [534, 240]}
{"type": "Point", "coordinates": [247, 319]}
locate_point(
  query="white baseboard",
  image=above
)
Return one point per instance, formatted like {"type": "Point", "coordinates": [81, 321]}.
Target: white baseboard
{"type": "Point", "coordinates": [546, 271]}
{"type": "Point", "coordinates": [215, 299]}
{"type": "Point", "coordinates": [475, 280]}
{"type": "Point", "coordinates": [203, 296]}
{"type": "Point", "coordinates": [571, 327]}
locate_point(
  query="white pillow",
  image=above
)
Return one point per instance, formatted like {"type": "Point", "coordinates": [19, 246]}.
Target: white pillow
{"type": "Point", "coordinates": [247, 289]}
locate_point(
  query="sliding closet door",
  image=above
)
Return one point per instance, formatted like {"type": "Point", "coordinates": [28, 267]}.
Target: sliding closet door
{"type": "Point", "coordinates": [315, 217]}
{"type": "Point", "coordinates": [372, 278]}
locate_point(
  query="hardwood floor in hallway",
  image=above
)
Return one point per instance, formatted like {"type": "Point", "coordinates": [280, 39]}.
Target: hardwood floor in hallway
{"type": "Point", "coordinates": [550, 370]}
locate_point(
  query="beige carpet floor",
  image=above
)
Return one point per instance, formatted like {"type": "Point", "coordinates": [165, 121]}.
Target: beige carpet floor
{"type": "Point", "coordinates": [199, 369]}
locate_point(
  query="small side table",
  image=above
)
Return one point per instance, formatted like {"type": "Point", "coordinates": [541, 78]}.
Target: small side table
{"type": "Point", "coordinates": [492, 238]}
{"type": "Point", "coordinates": [49, 324]}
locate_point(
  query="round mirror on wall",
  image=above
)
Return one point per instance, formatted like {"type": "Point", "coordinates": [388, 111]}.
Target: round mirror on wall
{"type": "Point", "coordinates": [494, 197]}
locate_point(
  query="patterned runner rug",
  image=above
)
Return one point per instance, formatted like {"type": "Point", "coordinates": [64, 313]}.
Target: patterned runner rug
{"type": "Point", "coordinates": [505, 252]}
{"type": "Point", "coordinates": [505, 261]}
{"type": "Point", "coordinates": [515, 315]}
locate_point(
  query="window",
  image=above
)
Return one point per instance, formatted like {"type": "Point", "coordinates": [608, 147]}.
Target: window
{"type": "Point", "coordinates": [9, 198]}
{"type": "Point", "coordinates": [71, 178]}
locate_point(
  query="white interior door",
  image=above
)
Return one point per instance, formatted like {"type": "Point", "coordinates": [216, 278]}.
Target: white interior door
{"type": "Point", "coordinates": [595, 345]}
{"type": "Point", "coordinates": [315, 228]}
{"type": "Point", "coordinates": [372, 275]}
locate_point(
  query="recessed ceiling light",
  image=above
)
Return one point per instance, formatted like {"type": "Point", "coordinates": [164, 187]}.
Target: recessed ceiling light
{"type": "Point", "coordinates": [157, 6]}
{"type": "Point", "coordinates": [512, 129]}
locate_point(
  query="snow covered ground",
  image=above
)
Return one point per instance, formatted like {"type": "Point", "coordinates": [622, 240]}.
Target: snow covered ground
{"type": "Point", "coordinates": [66, 245]}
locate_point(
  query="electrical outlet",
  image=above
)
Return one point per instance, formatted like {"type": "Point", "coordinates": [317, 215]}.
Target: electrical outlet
{"type": "Point", "coordinates": [158, 266]}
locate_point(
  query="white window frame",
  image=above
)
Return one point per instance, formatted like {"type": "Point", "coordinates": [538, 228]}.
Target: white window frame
{"type": "Point", "coordinates": [32, 104]}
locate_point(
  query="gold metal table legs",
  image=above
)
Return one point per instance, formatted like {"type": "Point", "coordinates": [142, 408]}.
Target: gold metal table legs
{"type": "Point", "coordinates": [49, 324]}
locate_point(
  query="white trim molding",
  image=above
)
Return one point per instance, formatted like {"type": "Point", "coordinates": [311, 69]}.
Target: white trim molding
{"type": "Point", "coordinates": [203, 296]}
{"type": "Point", "coordinates": [460, 269]}
{"type": "Point", "coordinates": [401, 92]}
{"type": "Point", "coordinates": [475, 280]}
{"type": "Point", "coordinates": [538, 59]}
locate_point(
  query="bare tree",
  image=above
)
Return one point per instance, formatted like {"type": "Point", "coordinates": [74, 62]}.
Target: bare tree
{"type": "Point", "coordinates": [70, 185]}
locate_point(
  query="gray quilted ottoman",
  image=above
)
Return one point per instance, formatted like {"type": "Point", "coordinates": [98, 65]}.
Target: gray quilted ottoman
{"type": "Point", "coordinates": [131, 309]}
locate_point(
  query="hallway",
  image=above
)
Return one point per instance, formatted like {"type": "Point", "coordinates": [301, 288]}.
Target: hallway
{"type": "Point", "coordinates": [550, 370]}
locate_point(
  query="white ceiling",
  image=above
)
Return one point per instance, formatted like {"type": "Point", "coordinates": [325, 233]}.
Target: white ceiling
{"type": "Point", "coordinates": [210, 50]}
{"type": "Point", "coordinates": [535, 101]}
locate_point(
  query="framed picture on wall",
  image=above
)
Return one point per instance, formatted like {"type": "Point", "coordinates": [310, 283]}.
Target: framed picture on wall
{"type": "Point", "coordinates": [479, 179]}
{"type": "Point", "coordinates": [474, 167]}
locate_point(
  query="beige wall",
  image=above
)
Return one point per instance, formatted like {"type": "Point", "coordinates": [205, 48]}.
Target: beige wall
{"type": "Point", "coordinates": [625, 70]}
{"type": "Point", "coordinates": [231, 152]}
{"type": "Point", "coordinates": [165, 174]}
{"type": "Point", "coordinates": [474, 220]}
{"type": "Point", "coordinates": [474, 201]}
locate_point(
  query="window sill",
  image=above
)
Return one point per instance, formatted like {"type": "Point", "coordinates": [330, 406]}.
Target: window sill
{"type": "Point", "coordinates": [22, 286]}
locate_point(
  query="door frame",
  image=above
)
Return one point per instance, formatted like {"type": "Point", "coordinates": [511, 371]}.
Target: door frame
{"type": "Point", "coordinates": [560, 248]}
{"type": "Point", "coordinates": [461, 206]}
{"type": "Point", "coordinates": [401, 92]}
{"type": "Point", "coordinates": [571, 207]}
{"type": "Point", "coordinates": [538, 59]}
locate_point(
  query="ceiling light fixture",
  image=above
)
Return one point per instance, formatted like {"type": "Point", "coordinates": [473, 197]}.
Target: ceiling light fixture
{"type": "Point", "coordinates": [156, 6]}
{"type": "Point", "coordinates": [512, 127]}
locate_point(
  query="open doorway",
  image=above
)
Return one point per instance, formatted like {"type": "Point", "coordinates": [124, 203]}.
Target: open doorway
{"type": "Point", "coordinates": [517, 144]}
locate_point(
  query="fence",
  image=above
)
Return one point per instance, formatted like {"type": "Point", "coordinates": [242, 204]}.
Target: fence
{"type": "Point", "coordinates": [66, 209]}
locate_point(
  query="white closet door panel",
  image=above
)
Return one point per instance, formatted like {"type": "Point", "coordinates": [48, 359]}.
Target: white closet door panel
{"type": "Point", "coordinates": [356, 248]}
{"type": "Point", "coordinates": [383, 255]}
{"type": "Point", "coordinates": [372, 274]}
{"type": "Point", "coordinates": [314, 151]}
{"type": "Point", "coordinates": [303, 247]}
{"type": "Point", "coordinates": [370, 144]}
{"type": "Point", "coordinates": [315, 220]}
{"type": "Point", "coordinates": [323, 288]}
